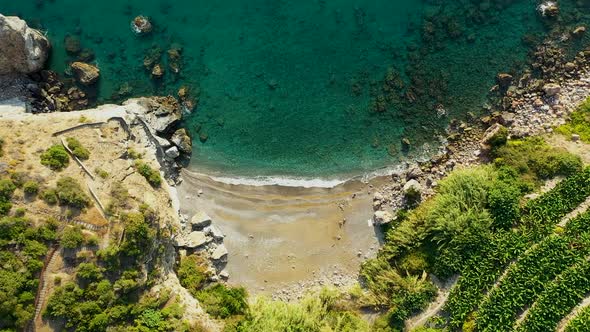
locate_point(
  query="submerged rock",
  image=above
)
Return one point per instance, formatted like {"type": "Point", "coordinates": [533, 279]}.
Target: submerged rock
{"type": "Point", "coordinates": [72, 44]}
{"type": "Point", "coordinates": [85, 73]}
{"type": "Point", "coordinates": [141, 25]}
{"type": "Point", "coordinates": [24, 50]}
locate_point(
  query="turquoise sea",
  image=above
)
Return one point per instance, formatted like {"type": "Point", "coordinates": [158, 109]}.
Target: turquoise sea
{"type": "Point", "coordinates": [309, 88]}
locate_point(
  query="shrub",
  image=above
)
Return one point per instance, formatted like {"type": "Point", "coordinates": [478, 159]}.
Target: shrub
{"type": "Point", "coordinates": [131, 153]}
{"type": "Point", "coordinates": [138, 235]}
{"type": "Point", "coordinates": [101, 173]}
{"type": "Point", "coordinates": [192, 272]}
{"type": "Point", "coordinates": [579, 123]}
{"type": "Point", "coordinates": [50, 196]}
{"type": "Point", "coordinates": [222, 302]}
{"type": "Point", "coordinates": [535, 159]}
{"type": "Point", "coordinates": [20, 212]}
{"type": "Point", "coordinates": [500, 138]}
{"type": "Point", "coordinates": [31, 188]}
{"type": "Point", "coordinates": [315, 313]}
{"type": "Point", "coordinates": [7, 188]}
{"type": "Point", "coordinates": [70, 193]}
{"type": "Point", "coordinates": [151, 175]}
{"type": "Point", "coordinates": [72, 237]}
{"type": "Point", "coordinates": [89, 272]}
{"type": "Point", "coordinates": [78, 149]}
{"type": "Point", "coordinates": [56, 158]}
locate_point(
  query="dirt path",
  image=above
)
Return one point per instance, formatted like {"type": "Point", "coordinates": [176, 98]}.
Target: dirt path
{"type": "Point", "coordinates": [435, 307]}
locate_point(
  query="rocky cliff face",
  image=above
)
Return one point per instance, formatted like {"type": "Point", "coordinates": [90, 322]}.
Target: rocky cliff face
{"type": "Point", "coordinates": [23, 50]}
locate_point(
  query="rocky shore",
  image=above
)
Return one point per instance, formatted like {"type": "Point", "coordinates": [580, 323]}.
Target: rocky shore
{"type": "Point", "coordinates": [534, 103]}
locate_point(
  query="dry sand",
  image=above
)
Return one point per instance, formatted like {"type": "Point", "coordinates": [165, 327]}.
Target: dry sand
{"type": "Point", "coordinates": [284, 239]}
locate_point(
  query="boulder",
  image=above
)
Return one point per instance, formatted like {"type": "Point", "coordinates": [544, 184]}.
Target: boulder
{"type": "Point", "coordinates": [551, 89]}
{"type": "Point", "coordinates": [24, 50]}
{"type": "Point", "coordinates": [492, 134]}
{"type": "Point", "coordinates": [414, 173]}
{"type": "Point", "coordinates": [382, 217]}
{"type": "Point", "coordinates": [181, 139]}
{"type": "Point", "coordinates": [85, 73]}
{"type": "Point", "coordinates": [160, 113]}
{"type": "Point", "coordinates": [412, 187]}
{"type": "Point", "coordinates": [196, 239]}
{"type": "Point", "coordinates": [219, 252]}
{"type": "Point", "coordinates": [173, 152]}
{"type": "Point", "coordinates": [215, 232]}
{"type": "Point", "coordinates": [579, 31]}
{"type": "Point", "coordinates": [504, 80]}
{"type": "Point", "coordinates": [200, 220]}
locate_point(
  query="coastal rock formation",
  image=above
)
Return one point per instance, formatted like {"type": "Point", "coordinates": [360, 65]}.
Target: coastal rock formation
{"type": "Point", "coordinates": [28, 48]}
{"type": "Point", "coordinates": [382, 217]}
{"type": "Point", "coordinates": [85, 73]}
{"type": "Point", "coordinates": [182, 140]}
{"type": "Point", "coordinates": [162, 113]}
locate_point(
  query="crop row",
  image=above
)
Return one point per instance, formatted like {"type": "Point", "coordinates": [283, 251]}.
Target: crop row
{"type": "Point", "coordinates": [541, 214]}
{"type": "Point", "coordinates": [580, 323]}
{"type": "Point", "coordinates": [527, 278]}
{"type": "Point", "coordinates": [558, 299]}
{"type": "Point", "coordinates": [480, 273]}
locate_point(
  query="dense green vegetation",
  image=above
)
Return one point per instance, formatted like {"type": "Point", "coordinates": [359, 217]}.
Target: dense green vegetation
{"type": "Point", "coordinates": [23, 247]}
{"type": "Point", "coordinates": [70, 193]}
{"type": "Point", "coordinates": [77, 148]}
{"type": "Point", "coordinates": [536, 160]}
{"type": "Point", "coordinates": [318, 313]}
{"type": "Point", "coordinates": [150, 174]}
{"type": "Point", "coordinates": [558, 299]}
{"type": "Point", "coordinates": [581, 322]}
{"type": "Point", "coordinates": [579, 123]}
{"type": "Point", "coordinates": [56, 157]}
{"type": "Point", "coordinates": [7, 188]}
{"type": "Point", "coordinates": [112, 291]}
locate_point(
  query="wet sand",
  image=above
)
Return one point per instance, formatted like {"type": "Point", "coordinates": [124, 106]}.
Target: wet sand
{"type": "Point", "coordinates": [282, 238]}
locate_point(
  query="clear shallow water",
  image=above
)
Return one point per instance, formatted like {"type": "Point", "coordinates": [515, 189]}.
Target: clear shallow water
{"type": "Point", "coordinates": [292, 88]}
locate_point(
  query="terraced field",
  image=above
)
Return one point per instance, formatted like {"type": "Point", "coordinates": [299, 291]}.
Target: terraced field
{"type": "Point", "coordinates": [534, 277]}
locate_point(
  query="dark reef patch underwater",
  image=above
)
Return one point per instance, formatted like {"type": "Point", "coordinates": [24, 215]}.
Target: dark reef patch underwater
{"type": "Point", "coordinates": [310, 88]}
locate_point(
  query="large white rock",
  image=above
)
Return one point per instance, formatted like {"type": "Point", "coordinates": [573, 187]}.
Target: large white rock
{"type": "Point", "coordinates": [197, 239]}
{"type": "Point", "coordinates": [382, 217]}
{"type": "Point", "coordinates": [200, 220]}
{"type": "Point", "coordinates": [22, 49]}
{"type": "Point", "coordinates": [219, 252]}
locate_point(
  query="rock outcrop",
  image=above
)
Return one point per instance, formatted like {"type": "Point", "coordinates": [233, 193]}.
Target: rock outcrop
{"type": "Point", "coordinates": [24, 50]}
{"type": "Point", "coordinates": [182, 140]}
{"type": "Point", "coordinates": [85, 73]}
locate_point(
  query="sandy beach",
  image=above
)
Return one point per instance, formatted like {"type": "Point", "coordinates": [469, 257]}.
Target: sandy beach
{"type": "Point", "coordinates": [283, 239]}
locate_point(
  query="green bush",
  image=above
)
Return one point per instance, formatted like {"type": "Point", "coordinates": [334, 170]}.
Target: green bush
{"type": "Point", "coordinates": [222, 302]}
{"type": "Point", "coordinates": [192, 272]}
{"type": "Point", "coordinates": [101, 173]}
{"type": "Point", "coordinates": [536, 160]}
{"type": "Point", "coordinates": [49, 196]}
{"type": "Point", "coordinates": [579, 123]}
{"type": "Point", "coordinates": [500, 138]}
{"type": "Point", "coordinates": [31, 188]}
{"type": "Point", "coordinates": [70, 193]}
{"type": "Point", "coordinates": [72, 237]}
{"type": "Point", "coordinates": [89, 272]}
{"type": "Point", "coordinates": [581, 322]}
{"type": "Point", "coordinates": [78, 149]}
{"type": "Point", "coordinates": [150, 174]}
{"type": "Point", "coordinates": [139, 235]}
{"type": "Point", "coordinates": [56, 157]}
{"type": "Point", "coordinates": [315, 313]}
